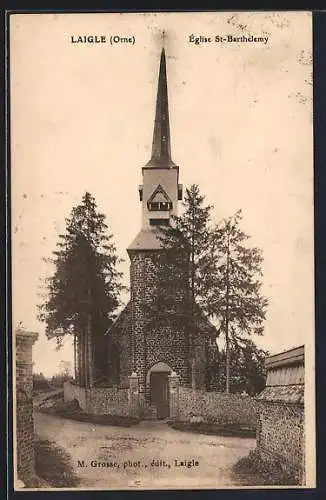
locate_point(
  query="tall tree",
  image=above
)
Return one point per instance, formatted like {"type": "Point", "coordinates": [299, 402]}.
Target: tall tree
{"type": "Point", "coordinates": [189, 238]}
{"type": "Point", "coordinates": [247, 368]}
{"type": "Point", "coordinates": [219, 271]}
{"type": "Point", "coordinates": [235, 298]}
{"type": "Point", "coordinates": [184, 269]}
{"type": "Point", "coordinates": [83, 293]}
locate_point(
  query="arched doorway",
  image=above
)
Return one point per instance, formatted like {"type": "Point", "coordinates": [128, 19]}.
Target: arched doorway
{"type": "Point", "coordinates": [158, 382]}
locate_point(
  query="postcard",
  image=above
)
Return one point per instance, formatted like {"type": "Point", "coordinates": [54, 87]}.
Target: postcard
{"type": "Point", "coordinates": [162, 250]}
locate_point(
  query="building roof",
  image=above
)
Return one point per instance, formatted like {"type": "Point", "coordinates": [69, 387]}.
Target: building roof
{"type": "Point", "coordinates": [204, 324]}
{"type": "Point", "coordinates": [146, 239]}
{"type": "Point", "coordinates": [122, 322]}
{"type": "Point", "coordinates": [285, 377]}
{"type": "Point", "coordinates": [293, 356]}
{"type": "Point", "coordinates": [161, 146]}
{"type": "Point", "coordinates": [22, 332]}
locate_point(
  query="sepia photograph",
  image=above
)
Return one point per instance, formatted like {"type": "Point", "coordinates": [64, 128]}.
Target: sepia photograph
{"type": "Point", "coordinates": [162, 233]}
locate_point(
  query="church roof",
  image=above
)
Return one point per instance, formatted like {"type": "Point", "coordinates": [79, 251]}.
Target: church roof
{"type": "Point", "coordinates": [146, 239]}
{"type": "Point", "coordinates": [122, 322]}
{"type": "Point", "coordinates": [161, 146]}
{"type": "Point", "coordinates": [205, 326]}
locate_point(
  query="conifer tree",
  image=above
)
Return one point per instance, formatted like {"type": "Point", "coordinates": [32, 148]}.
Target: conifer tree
{"type": "Point", "coordinates": [207, 270]}
{"type": "Point", "coordinates": [83, 292]}
{"type": "Point", "coordinates": [187, 245]}
{"type": "Point", "coordinates": [235, 297]}
{"type": "Point", "coordinates": [184, 269]}
{"type": "Point", "coordinates": [247, 368]}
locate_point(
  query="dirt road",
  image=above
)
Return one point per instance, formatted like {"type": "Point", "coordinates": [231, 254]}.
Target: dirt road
{"type": "Point", "coordinates": [149, 455]}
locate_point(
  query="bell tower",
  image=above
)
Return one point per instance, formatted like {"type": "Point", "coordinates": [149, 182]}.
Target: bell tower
{"type": "Point", "coordinates": [160, 190]}
{"type": "Point", "coordinates": [154, 340]}
{"type": "Point", "coordinates": [153, 345]}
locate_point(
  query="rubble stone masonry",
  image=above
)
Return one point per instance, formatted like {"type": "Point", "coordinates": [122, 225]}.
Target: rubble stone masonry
{"type": "Point", "coordinates": [280, 433]}
{"type": "Point", "coordinates": [216, 408]}
{"type": "Point", "coordinates": [281, 438]}
{"type": "Point", "coordinates": [99, 400]}
{"type": "Point", "coordinates": [25, 462]}
{"type": "Point", "coordinates": [151, 344]}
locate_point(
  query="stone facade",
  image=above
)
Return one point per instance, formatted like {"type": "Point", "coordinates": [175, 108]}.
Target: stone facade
{"type": "Point", "coordinates": [280, 435]}
{"type": "Point", "coordinates": [25, 462]}
{"type": "Point", "coordinates": [144, 342]}
{"type": "Point", "coordinates": [153, 344]}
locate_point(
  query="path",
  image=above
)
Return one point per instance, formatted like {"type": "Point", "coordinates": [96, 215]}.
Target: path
{"type": "Point", "coordinates": [140, 452]}
{"type": "Point", "coordinates": [43, 396]}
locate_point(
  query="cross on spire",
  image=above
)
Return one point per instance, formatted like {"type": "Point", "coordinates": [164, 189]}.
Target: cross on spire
{"type": "Point", "coordinates": [163, 38]}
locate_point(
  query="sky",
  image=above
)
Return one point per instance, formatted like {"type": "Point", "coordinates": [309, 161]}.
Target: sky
{"type": "Point", "coordinates": [241, 128]}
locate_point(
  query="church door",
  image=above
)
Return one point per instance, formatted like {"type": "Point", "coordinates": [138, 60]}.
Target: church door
{"type": "Point", "coordinates": [160, 393]}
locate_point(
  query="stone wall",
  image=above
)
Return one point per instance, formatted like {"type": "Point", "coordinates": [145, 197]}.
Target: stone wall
{"type": "Point", "coordinates": [99, 401]}
{"type": "Point", "coordinates": [73, 391]}
{"type": "Point", "coordinates": [25, 465]}
{"type": "Point", "coordinates": [216, 407]}
{"type": "Point", "coordinates": [281, 439]}
{"type": "Point", "coordinates": [280, 436]}
{"type": "Point", "coordinates": [107, 401]}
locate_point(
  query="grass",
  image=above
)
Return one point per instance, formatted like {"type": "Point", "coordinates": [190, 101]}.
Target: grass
{"type": "Point", "coordinates": [235, 430]}
{"type": "Point", "coordinates": [52, 466]}
{"type": "Point", "coordinates": [72, 411]}
{"type": "Point", "coordinates": [253, 471]}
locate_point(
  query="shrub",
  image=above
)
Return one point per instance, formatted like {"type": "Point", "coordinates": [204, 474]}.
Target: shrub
{"type": "Point", "coordinates": [40, 382]}
{"type": "Point", "coordinates": [252, 464]}
{"type": "Point", "coordinates": [53, 464]}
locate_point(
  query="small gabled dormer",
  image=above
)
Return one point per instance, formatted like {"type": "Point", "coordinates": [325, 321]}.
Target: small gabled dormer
{"type": "Point", "coordinates": [159, 201]}
{"type": "Point", "coordinates": [160, 206]}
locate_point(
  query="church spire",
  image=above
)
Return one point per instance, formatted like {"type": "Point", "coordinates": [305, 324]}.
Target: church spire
{"type": "Point", "coordinates": [161, 146]}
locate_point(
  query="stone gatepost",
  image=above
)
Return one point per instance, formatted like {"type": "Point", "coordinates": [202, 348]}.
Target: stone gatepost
{"type": "Point", "coordinates": [25, 461]}
{"type": "Point", "coordinates": [134, 395]}
{"type": "Point", "coordinates": [174, 395]}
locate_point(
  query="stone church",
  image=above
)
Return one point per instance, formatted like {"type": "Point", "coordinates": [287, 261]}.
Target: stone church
{"type": "Point", "coordinates": [145, 348]}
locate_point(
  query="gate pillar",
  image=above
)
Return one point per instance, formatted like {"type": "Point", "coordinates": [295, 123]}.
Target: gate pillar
{"type": "Point", "coordinates": [174, 395]}
{"type": "Point", "coordinates": [134, 395]}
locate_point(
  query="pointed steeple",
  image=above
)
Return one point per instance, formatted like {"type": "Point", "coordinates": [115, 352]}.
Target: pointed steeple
{"type": "Point", "coordinates": [161, 147]}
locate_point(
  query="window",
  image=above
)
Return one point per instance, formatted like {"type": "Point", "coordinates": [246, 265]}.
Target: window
{"type": "Point", "coordinates": [159, 205]}
{"type": "Point", "coordinates": [165, 205]}
{"type": "Point", "coordinates": [159, 222]}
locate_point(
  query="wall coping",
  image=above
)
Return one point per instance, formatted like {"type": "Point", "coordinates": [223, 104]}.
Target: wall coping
{"type": "Point", "coordinates": [90, 389]}
{"type": "Point", "coordinates": [283, 394]}
{"type": "Point", "coordinates": [26, 334]}
{"type": "Point", "coordinates": [293, 356]}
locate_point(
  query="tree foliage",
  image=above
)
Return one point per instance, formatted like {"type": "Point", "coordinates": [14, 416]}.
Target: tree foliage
{"type": "Point", "coordinates": [221, 273]}
{"type": "Point", "coordinates": [83, 292]}
{"type": "Point", "coordinates": [247, 368]}
{"type": "Point", "coordinates": [40, 382]}
{"type": "Point", "coordinates": [184, 267]}
{"type": "Point", "coordinates": [235, 297]}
